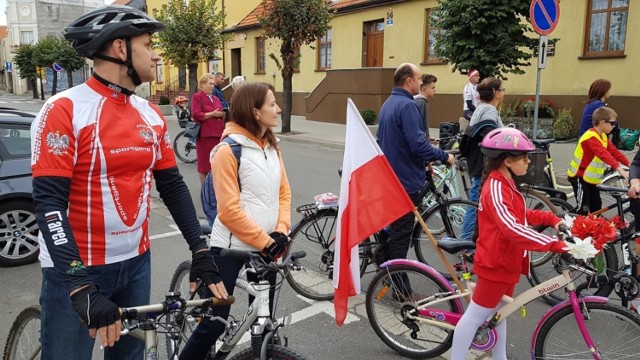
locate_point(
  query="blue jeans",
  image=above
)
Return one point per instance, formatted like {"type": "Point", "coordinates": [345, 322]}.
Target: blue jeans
{"type": "Point", "coordinates": [470, 217]}
{"type": "Point", "coordinates": [64, 336]}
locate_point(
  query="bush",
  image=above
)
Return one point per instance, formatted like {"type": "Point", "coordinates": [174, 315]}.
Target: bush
{"type": "Point", "coordinates": [563, 126]}
{"type": "Point", "coordinates": [369, 116]}
{"type": "Point", "coordinates": [545, 107]}
{"type": "Point", "coordinates": [164, 100]}
{"type": "Point", "coordinates": [511, 110]}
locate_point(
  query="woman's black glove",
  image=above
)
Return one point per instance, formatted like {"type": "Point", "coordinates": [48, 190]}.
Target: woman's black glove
{"type": "Point", "coordinates": [278, 247]}
{"type": "Point", "coordinates": [95, 309]}
{"type": "Point", "coordinates": [203, 267]}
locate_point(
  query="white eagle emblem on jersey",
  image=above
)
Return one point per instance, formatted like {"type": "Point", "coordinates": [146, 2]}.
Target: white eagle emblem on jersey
{"type": "Point", "coordinates": [146, 135]}
{"type": "Point", "coordinates": [167, 140]}
{"type": "Point", "coordinates": [58, 144]}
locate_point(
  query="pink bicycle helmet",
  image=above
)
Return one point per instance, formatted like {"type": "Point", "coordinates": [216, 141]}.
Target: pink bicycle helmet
{"type": "Point", "coordinates": [506, 140]}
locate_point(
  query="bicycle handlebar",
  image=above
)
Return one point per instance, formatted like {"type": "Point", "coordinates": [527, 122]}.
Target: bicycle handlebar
{"type": "Point", "coordinates": [172, 304]}
{"type": "Point", "coordinates": [258, 262]}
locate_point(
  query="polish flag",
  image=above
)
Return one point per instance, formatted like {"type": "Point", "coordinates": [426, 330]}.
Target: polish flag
{"type": "Point", "coordinates": [371, 197]}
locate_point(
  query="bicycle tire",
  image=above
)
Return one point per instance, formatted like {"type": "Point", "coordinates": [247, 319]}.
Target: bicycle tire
{"type": "Point", "coordinates": [23, 341]}
{"type": "Point", "coordinates": [386, 312]}
{"type": "Point", "coordinates": [184, 149]}
{"type": "Point", "coordinates": [562, 207]}
{"type": "Point", "coordinates": [614, 329]}
{"type": "Point", "coordinates": [275, 352]}
{"type": "Point", "coordinates": [433, 217]}
{"type": "Point", "coordinates": [179, 326]}
{"type": "Point", "coordinates": [536, 200]}
{"type": "Point", "coordinates": [615, 180]}
{"type": "Point", "coordinates": [546, 271]}
{"type": "Point", "coordinates": [315, 235]}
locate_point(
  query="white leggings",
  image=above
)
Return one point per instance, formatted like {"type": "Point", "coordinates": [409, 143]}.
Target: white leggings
{"type": "Point", "coordinates": [472, 319]}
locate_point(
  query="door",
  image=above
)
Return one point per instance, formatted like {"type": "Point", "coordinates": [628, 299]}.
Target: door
{"type": "Point", "coordinates": [373, 43]}
{"type": "Point", "coordinates": [236, 61]}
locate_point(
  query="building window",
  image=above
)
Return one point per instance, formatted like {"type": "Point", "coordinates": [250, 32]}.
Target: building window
{"type": "Point", "coordinates": [26, 37]}
{"type": "Point", "coordinates": [324, 51]}
{"type": "Point", "coordinates": [606, 27]}
{"type": "Point", "coordinates": [430, 55]}
{"type": "Point", "coordinates": [260, 55]}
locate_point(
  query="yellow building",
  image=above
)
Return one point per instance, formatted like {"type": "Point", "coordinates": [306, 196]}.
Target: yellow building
{"type": "Point", "coordinates": [370, 38]}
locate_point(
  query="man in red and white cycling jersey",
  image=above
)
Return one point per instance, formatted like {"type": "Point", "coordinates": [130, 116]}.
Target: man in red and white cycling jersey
{"type": "Point", "coordinates": [95, 150]}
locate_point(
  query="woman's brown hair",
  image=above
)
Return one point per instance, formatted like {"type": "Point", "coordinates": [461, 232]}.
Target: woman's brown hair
{"type": "Point", "coordinates": [488, 87]}
{"type": "Point", "coordinates": [598, 89]}
{"type": "Point", "coordinates": [244, 101]}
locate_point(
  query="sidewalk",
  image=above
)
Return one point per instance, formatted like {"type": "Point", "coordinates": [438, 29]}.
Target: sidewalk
{"type": "Point", "coordinates": [333, 135]}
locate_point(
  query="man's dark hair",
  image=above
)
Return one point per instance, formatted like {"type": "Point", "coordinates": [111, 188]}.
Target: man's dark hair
{"type": "Point", "coordinates": [403, 72]}
{"type": "Point", "coordinates": [427, 79]}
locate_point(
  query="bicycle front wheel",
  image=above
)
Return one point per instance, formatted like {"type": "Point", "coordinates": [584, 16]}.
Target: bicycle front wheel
{"type": "Point", "coordinates": [275, 353]}
{"type": "Point", "coordinates": [614, 329]}
{"type": "Point", "coordinates": [23, 341]}
{"type": "Point", "coordinates": [392, 311]}
{"type": "Point", "coordinates": [179, 325]}
{"type": "Point", "coordinates": [185, 148]}
{"type": "Point", "coordinates": [314, 235]}
{"type": "Point", "coordinates": [444, 220]}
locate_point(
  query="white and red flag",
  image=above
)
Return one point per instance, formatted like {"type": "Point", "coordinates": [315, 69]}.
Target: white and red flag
{"type": "Point", "coordinates": [371, 197]}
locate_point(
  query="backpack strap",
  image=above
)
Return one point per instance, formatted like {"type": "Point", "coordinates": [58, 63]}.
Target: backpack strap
{"type": "Point", "coordinates": [236, 149]}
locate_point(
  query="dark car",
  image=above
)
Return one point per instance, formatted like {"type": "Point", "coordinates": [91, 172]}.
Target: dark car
{"type": "Point", "coordinates": [18, 226]}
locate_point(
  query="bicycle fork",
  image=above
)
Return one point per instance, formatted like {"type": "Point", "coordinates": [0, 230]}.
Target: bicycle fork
{"type": "Point", "coordinates": [580, 317]}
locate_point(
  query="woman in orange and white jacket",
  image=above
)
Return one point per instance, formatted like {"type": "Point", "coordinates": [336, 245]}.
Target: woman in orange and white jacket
{"type": "Point", "coordinates": [505, 237]}
{"type": "Point", "coordinates": [253, 199]}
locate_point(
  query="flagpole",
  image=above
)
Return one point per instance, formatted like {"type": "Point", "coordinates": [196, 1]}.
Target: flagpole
{"type": "Point", "coordinates": [444, 259]}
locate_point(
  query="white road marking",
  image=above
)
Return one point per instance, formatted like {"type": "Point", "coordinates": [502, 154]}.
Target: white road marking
{"type": "Point", "coordinates": [164, 235]}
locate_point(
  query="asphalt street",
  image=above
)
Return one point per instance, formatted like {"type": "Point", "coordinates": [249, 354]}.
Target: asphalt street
{"type": "Point", "coordinates": [311, 168]}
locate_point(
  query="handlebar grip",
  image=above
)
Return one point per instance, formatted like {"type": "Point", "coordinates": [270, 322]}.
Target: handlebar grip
{"type": "Point", "coordinates": [236, 254]}
{"type": "Point", "coordinates": [564, 229]}
{"type": "Point", "coordinates": [223, 302]}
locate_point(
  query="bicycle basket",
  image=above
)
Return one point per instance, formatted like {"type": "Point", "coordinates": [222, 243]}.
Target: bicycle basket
{"type": "Point", "coordinates": [535, 173]}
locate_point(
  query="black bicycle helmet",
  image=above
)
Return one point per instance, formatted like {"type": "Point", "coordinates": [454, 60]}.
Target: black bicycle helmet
{"type": "Point", "coordinates": [92, 31]}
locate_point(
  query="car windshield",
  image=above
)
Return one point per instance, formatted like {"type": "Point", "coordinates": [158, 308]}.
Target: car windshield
{"type": "Point", "coordinates": [15, 141]}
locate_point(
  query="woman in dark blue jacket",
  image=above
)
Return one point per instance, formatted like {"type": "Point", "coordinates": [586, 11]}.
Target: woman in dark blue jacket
{"type": "Point", "coordinates": [598, 94]}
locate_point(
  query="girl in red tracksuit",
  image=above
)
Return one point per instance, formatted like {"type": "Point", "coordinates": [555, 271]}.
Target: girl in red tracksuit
{"type": "Point", "coordinates": [505, 237]}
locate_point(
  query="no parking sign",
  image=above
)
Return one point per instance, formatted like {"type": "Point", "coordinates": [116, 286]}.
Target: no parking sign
{"type": "Point", "coordinates": [544, 15]}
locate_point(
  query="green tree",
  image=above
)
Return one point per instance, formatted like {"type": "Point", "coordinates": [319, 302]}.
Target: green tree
{"type": "Point", "coordinates": [294, 23]}
{"type": "Point", "coordinates": [45, 54]}
{"type": "Point", "coordinates": [193, 32]}
{"type": "Point", "coordinates": [69, 59]}
{"type": "Point", "coordinates": [493, 36]}
{"type": "Point", "coordinates": [23, 58]}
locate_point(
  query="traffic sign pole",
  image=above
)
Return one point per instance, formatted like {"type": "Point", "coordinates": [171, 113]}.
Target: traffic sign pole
{"type": "Point", "coordinates": [542, 64]}
{"type": "Point", "coordinates": [544, 15]}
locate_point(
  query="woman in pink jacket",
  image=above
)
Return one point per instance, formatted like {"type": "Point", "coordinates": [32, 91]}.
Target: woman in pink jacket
{"type": "Point", "coordinates": [207, 110]}
{"type": "Point", "coordinates": [505, 237]}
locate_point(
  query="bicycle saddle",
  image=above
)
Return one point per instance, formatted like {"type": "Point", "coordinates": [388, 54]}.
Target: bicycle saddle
{"type": "Point", "coordinates": [452, 245]}
{"type": "Point", "coordinates": [543, 142]}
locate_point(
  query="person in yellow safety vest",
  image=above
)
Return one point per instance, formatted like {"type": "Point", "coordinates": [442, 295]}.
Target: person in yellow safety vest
{"type": "Point", "coordinates": [593, 151]}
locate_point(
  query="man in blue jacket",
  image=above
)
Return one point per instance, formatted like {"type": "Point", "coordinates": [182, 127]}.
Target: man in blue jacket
{"type": "Point", "coordinates": [401, 136]}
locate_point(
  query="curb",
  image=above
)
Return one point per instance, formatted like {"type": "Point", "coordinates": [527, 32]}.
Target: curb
{"type": "Point", "coordinates": [300, 138]}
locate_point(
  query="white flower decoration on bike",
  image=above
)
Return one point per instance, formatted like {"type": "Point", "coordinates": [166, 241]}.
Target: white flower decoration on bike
{"type": "Point", "coordinates": [569, 220]}
{"type": "Point", "coordinates": [582, 249]}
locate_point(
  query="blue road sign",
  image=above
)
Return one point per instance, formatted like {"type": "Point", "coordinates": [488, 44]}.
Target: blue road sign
{"type": "Point", "coordinates": [544, 15]}
{"type": "Point", "coordinates": [57, 67]}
